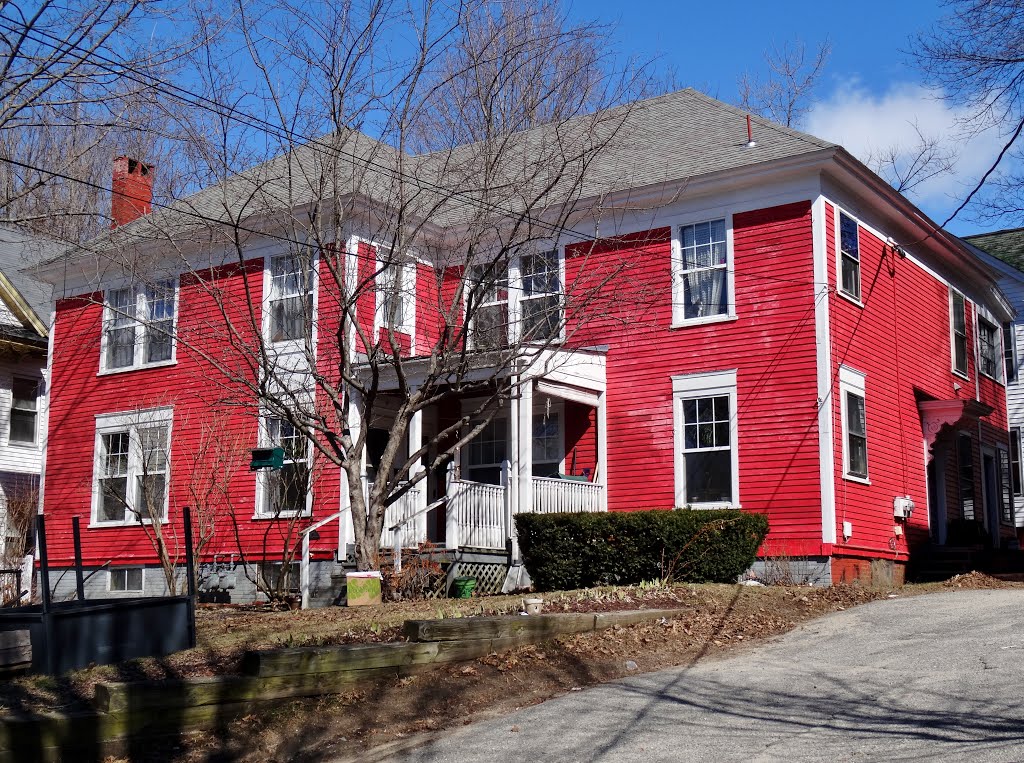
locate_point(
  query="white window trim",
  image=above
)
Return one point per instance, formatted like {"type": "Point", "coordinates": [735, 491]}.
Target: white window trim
{"type": "Point", "coordinates": [262, 483]}
{"type": "Point", "coordinates": [125, 592]}
{"type": "Point", "coordinates": [36, 439]}
{"type": "Point", "coordinates": [679, 319]}
{"type": "Point", "coordinates": [515, 294]}
{"type": "Point", "coordinates": [853, 381]}
{"type": "Point", "coordinates": [857, 300]}
{"type": "Point", "coordinates": [107, 423]}
{"type": "Point", "coordinates": [269, 296]}
{"type": "Point", "coordinates": [137, 365]}
{"type": "Point", "coordinates": [983, 315]}
{"type": "Point", "coordinates": [952, 335]}
{"type": "Point", "coordinates": [710, 384]}
{"type": "Point", "coordinates": [407, 268]}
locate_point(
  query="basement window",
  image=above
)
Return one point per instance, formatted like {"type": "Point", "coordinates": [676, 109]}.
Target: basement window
{"type": "Point", "coordinates": [125, 580]}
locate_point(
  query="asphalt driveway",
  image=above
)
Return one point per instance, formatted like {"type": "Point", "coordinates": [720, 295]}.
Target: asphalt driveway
{"type": "Point", "coordinates": [938, 677]}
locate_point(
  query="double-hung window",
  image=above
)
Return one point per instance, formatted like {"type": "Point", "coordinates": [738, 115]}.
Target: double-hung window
{"type": "Point", "coordinates": [24, 411]}
{"type": "Point", "coordinates": [540, 303]}
{"type": "Point", "coordinates": [1005, 487]}
{"type": "Point", "coordinates": [706, 460]}
{"type": "Point", "coordinates": [849, 256]}
{"type": "Point", "coordinates": [286, 491]}
{"type": "Point", "coordinates": [1015, 463]}
{"type": "Point", "coordinates": [855, 431]}
{"type": "Point", "coordinates": [487, 306]}
{"type": "Point", "coordinates": [547, 444]}
{"type": "Point", "coordinates": [132, 465]}
{"type": "Point", "coordinates": [1009, 352]}
{"type": "Point", "coordinates": [139, 326]}
{"type": "Point", "coordinates": [396, 296]}
{"type": "Point", "coordinates": [291, 296]}
{"type": "Point", "coordinates": [486, 452]}
{"type": "Point", "coordinates": [702, 288]}
{"type": "Point", "coordinates": [958, 327]}
{"type": "Point", "coordinates": [989, 356]}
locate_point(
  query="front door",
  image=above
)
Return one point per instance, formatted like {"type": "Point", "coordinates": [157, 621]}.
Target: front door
{"type": "Point", "coordinates": [937, 498]}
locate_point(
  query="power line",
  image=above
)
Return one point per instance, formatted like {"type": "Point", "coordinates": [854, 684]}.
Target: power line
{"type": "Point", "coordinates": [230, 112]}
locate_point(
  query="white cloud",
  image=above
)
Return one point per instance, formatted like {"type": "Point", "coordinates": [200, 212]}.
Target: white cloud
{"type": "Point", "coordinates": [866, 124]}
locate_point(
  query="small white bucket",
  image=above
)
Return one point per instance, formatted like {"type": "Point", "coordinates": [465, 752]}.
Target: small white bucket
{"type": "Point", "coordinates": [533, 606]}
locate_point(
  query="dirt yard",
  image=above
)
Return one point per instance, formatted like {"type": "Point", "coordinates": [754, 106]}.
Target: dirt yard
{"type": "Point", "coordinates": [373, 721]}
{"type": "Point", "coordinates": [386, 715]}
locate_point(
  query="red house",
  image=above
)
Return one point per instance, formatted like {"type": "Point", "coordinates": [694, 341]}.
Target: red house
{"type": "Point", "coordinates": [767, 325]}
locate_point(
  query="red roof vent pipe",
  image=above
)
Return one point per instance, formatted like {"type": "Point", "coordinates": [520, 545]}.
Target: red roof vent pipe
{"type": "Point", "coordinates": [750, 134]}
{"type": "Point", "coordinates": [131, 191]}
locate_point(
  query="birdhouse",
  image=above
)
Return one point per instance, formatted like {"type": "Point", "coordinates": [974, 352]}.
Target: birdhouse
{"type": "Point", "coordinates": [266, 458]}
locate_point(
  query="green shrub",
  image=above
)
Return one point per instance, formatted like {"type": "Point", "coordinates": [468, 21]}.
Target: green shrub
{"type": "Point", "coordinates": [565, 551]}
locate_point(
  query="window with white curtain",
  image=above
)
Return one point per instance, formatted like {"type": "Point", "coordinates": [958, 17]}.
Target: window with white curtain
{"type": "Point", "coordinates": [703, 284]}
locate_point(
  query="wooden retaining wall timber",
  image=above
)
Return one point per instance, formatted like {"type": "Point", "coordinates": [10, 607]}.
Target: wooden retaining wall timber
{"type": "Point", "coordinates": [127, 712]}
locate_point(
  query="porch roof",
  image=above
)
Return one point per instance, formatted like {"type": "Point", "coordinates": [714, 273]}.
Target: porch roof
{"type": "Point", "coordinates": [574, 374]}
{"type": "Point", "coordinates": [939, 414]}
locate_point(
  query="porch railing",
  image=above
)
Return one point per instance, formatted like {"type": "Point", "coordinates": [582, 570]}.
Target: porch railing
{"type": "Point", "coordinates": [551, 496]}
{"type": "Point", "coordinates": [413, 531]}
{"type": "Point", "coordinates": [476, 515]}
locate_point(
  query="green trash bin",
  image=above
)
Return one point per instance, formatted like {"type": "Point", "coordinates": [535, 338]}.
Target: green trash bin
{"type": "Point", "coordinates": [463, 587]}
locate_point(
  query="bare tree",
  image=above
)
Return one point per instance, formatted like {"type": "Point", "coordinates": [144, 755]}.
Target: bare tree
{"type": "Point", "coordinates": [976, 55]}
{"type": "Point", "coordinates": [75, 90]}
{"type": "Point", "coordinates": [907, 167]}
{"type": "Point", "coordinates": [486, 132]}
{"type": "Point", "coordinates": [785, 93]}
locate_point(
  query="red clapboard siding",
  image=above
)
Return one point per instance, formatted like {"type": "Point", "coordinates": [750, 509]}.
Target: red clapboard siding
{"type": "Point", "coordinates": [204, 384]}
{"type": "Point", "coordinates": [623, 288]}
{"type": "Point", "coordinates": [900, 339]}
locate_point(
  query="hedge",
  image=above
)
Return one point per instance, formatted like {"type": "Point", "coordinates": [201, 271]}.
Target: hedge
{"type": "Point", "coordinates": [566, 551]}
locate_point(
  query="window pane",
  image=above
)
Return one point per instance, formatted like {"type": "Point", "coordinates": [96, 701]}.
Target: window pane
{"type": "Point", "coordinates": [689, 411]}
{"type": "Point", "coordinates": [490, 326]}
{"type": "Point", "coordinates": [152, 493]}
{"type": "Point", "coordinates": [23, 426]}
{"type": "Point", "coordinates": [959, 314]}
{"type": "Point", "coordinates": [1008, 341]}
{"type": "Point", "coordinates": [288, 489]}
{"type": "Point", "coordinates": [851, 276]}
{"type": "Point", "coordinates": [121, 347]}
{"type": "Point", "coordinates": [708, 476]}
{"type": "Point", "coordinates": [855, 419]}
{"type": "Point", "coordinates": [858, 457]}
{"type": "Point", "coordinates": [24, 392]}
{"type": "Point", "coordinates": [540, 273]}
{"type": "Point", "coordinates": [960, 348]}
{"type": "Point", "coordinates": [1005, 492]}
{"type": "Point", "coordinates": [133, 579]}
{"type": "Point", "coordinates": [542, 318]}
{"type": "Point", "coordinates": [848, 236]}
{"type": "Point", "coordinates": [704, 293]}
{"type": "Point", "coordinates": [690, 436]}
{"type": "Point", "coordinates": [113, 499]}
{"type": "Point", "coordinates": [115, 454]}
{"type": "Point", "coordinates": [153, 443]}
{"type": "Point", "coordinates": [289, 318]}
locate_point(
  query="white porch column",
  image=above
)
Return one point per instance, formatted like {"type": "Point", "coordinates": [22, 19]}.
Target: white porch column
{"type": "Point", "coordinates": [415, 440]}
{"type": "Point", "coordinates": [346, 534]}
{"type": "Point", "coordinates": [451, 526]}
{"type": "Point", "coordinates": [523, 447]}
{"type": "Point", "coordinates": [601, 478]}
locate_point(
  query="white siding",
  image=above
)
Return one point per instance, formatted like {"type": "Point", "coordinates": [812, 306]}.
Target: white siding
{"type": "Point", "coordinates": [1013, 288]}
{"type": "Point", "coordinates": [21, 459]}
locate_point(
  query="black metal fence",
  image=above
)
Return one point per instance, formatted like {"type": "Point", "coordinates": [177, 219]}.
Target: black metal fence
{"type": "Point", "coordinates": [75, 634]}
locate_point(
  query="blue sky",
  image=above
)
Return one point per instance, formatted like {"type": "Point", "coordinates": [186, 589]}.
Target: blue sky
{"type": "Point", "coordinates": [869, 96]}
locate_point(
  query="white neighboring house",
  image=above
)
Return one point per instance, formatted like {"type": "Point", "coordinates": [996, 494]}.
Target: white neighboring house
{"type": "Point", "coordinates": [24, 329]}
{"type": "Point", "coordinates": [1003, 251]}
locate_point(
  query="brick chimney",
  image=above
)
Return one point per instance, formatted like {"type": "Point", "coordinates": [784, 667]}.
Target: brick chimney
{"type": "Point", "coordinates": [132, 191]}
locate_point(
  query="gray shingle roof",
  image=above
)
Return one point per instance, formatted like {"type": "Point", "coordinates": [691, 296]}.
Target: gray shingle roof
{"type": "Point", "coordinates": [672, 137]}
{"type": "Point", "coordinates": [19, 251]}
